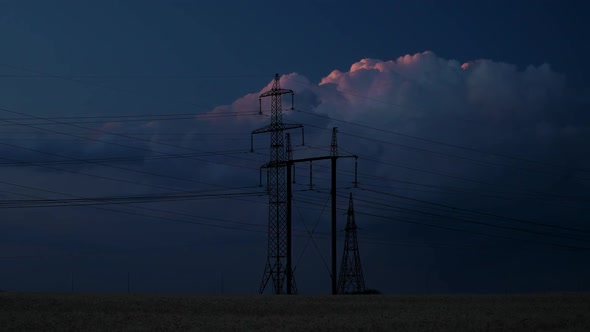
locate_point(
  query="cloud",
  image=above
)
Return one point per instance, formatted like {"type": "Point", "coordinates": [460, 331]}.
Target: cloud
{"type": "Point", "coordinates": [490, 107]}
{"type": "Point", "coordinates": [425, 85]}
{"type": "Point", "coordinates": [483, 104]}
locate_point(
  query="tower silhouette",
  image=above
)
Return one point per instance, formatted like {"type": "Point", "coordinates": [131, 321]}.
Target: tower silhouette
{"type": "Point", "coordinates": [351, 278]}
{"type": "Point", "coordinates": [280, 169]}
{"type": "Point", "coordinates": [277, 267]}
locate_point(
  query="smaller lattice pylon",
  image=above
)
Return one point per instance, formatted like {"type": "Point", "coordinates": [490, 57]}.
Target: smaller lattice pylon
{"type": "Point", "coordinates": [351, 278]}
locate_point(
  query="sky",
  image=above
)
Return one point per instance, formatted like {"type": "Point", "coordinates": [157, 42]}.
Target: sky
{"type": "Point", "coordinates": [125, 139]}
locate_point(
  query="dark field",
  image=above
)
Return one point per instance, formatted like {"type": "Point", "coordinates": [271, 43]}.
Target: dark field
{"type": "Point", "coordinates": [100, 312]}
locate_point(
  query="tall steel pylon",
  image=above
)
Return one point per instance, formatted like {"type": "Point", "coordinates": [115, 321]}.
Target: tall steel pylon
{"type": "Point", "coordinates": [276, 267]}
{"type": "Point", "coordinates": [351, 278]}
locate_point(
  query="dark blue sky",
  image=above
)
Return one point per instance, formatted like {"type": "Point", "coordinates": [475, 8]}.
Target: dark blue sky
{"type": "Point", "coordinates": [309, 37]}
{"type": "Point", "coordinates": [522, 93]}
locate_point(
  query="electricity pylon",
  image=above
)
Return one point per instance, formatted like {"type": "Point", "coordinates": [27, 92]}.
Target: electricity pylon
{"type": "Point", "coordinates": [332, 157]}
{"type": "Point", "coordinates": [279, 172]}
{"type": "Point", "coordinates": [351, 278]}
{"type": "Point", "coordinates": [276, 267]}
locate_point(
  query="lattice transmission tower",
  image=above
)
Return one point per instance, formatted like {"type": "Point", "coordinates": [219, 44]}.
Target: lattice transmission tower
{"type": "Point", "coordinates": [276, 268]}
{"type": "Point", "coordinates": [351, 278]}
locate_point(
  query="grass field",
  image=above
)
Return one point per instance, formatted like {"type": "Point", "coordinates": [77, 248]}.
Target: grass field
{"type": "Point", "coordinates": [115, 312]}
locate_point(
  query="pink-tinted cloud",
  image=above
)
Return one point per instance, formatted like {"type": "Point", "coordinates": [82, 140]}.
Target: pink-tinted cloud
{"type": "Point", "coordinates": [482, 103]}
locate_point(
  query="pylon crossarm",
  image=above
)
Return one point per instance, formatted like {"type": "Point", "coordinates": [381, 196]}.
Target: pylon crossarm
{"type": "Point", "coordinates": [275, 92]}
{"type": "Point", "coordinates": [277, 128]}
{"type": "Point", "coordinates": [262, 130]}
{"type": "Point", "coordinates": [294, 161]}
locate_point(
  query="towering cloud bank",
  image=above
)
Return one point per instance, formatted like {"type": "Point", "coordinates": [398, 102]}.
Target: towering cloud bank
{"type": "Point", "coordinates": [482, 101]}
{"type": "Point", "coordinates": [482, 104]}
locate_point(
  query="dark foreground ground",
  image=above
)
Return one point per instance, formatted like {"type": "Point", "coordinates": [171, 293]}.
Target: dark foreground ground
{"type": "Point", "coordinates": [100, 312]}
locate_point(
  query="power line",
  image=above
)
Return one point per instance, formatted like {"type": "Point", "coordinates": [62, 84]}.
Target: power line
{"type": "Point", "coordinates": [394, 165]}
{"type": "Point", "coordinates": [389, 163]}
{"type": "Point", "coordinates": [493, 194]}
{"type": "Point", "coordinates": [481, 213]}
{"type": "Point", "coordinates": [467, 221]}
{"type": "Point", "coordinates": [109, 119]}
{"type": "Point", "coordinates": [117, 167]}
{"type": "Point", "coordinates": [480, 162]}
{"type": "Point", "coordinates": [469, 180]}
{"type": "Point", "coordinates": [72, 77]}
{"type": "Point", "coordinates": [165, 197]}
{"type": "Point", "coordinates": [109, 166]}
{"type": "Point", "coordinates": [124, 146]}
{"type": "Point", "coordinates": [69, 123]}
{"type": "Point", "coordinates": [200, 223]}
{"type": "Point", "coordinates": [457, 146]}
{"type": "Point", "coordinates": [99, 161]}
{"type": "Point", "coordinates": [118, 144]}
{"type": "Point", "coordinates": [388, 206]}
{"type": "Point", "coordinates": [460, 230]}
{"type": "Point", "coordinates": [104, 132]}
{"type": "Point", "coordinates": [142, 208]}
{"type": "Point", "coordinates": [476, 161]}
{"type": "Point", "coordinates": [138, 134]}
{"type": "Point", "coordinates": [112, 116]}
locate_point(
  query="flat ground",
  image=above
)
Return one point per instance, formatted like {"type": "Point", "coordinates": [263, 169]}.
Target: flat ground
{"type": "Point", "coordinates": [116, 312]}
